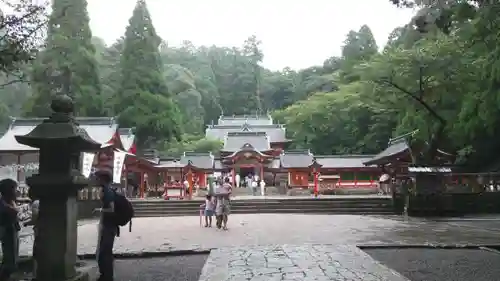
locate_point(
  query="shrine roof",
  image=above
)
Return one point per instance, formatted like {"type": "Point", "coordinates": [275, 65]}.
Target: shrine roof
{"type": "Point", "coordinates": [299, 158]}
{"type": "Point", "coordinates": [170, 164]}
{"type": "Point", "coordinates": [100, 129]}
{"type": "Point", "coordinates": [236, 141]}
{"type": "Point", "coordinates": [275, 132]}
{"type": "Point", "coordinates": [395, 147]}
{"type": "Point", "coordinates": [242, 119]}
{"type": "Point", "coordinates": [203, 160]}
{"type": "Point", "coordinates": [127, 137]}
{"type": "Point", "coordinates": [343, 161]}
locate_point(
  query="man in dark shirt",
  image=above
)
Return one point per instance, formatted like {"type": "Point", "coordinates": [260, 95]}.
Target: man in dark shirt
{"type": "Point", "coordinates": [9, 228]}
{"type": "Point", "coordinates": [107, 227]}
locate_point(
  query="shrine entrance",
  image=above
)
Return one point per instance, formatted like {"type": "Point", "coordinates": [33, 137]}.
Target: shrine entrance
{"type": "Point", "coordinates": [245, 171]}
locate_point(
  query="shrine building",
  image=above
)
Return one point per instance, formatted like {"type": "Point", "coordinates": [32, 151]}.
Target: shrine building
{"type": "Point", "coordinates": [255, 145]}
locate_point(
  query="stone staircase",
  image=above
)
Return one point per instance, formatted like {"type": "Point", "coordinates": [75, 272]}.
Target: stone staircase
{"type": "Point", "coordinates": [367, 205]}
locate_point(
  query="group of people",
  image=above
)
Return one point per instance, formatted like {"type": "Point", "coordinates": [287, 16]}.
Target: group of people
{"type": "Point", "coordinates": [218, 204]}
{"type": "Point", "coordinates": [10, 226]}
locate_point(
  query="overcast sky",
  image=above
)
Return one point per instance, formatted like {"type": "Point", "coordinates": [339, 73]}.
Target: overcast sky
{"type": "Point", "coordinates": [294, 33]}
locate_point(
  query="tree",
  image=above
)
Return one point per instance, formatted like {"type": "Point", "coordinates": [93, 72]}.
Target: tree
{"type": "Point", "coordinates": [251, 49]}
{"type": "Point", "coordinates": [68, 63]}
{"type": "Point", "coordinates": [21, 34]}
{"type": "Point", "coordinates": [143, 100]}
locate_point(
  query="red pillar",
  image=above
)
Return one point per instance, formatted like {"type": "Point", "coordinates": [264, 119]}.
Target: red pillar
{"type": "Point", "coordinates": [190, 183]}
{"type": "Point", "coordinates": [233, 175]}
{"type": "Point", "coordinates": [261, 171]}
{"type": "Point", "coordinates": [315, 183]}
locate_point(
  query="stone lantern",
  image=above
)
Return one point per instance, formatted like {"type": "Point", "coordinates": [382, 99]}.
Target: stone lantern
{"type": "Point", "coordinates": [60, 142]}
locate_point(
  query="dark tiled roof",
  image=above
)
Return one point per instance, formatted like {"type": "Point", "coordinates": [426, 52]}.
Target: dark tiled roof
{"type": "Point", "coordinates": [100, 129]}
{"type": "Point", "coordinates": [236, 141]}
{"type": "Point", "coordinates": [127, 137]}
{"type": "Point", "coordinates": [395, 147]}
{"type": "Point", "coordinates": [275, 132]}
{"type": "Point", "coordinates": [296, 159]}
{"type": "Point", "coordinates": [242, 119]}
{"type": "Point", "coordinates": [198, 159]}
{"type": "Point", "coordinates": [343, 161]}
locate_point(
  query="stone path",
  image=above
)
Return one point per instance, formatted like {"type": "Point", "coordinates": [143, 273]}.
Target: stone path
{"type": "Point", "coordinates": [289, 262]}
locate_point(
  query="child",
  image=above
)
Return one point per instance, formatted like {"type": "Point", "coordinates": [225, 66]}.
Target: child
{"type": "Point", "coordinates": [209, 210]}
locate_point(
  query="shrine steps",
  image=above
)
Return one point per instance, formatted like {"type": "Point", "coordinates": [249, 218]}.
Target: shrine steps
{"type": "Point", "coordinates": [349, 205]}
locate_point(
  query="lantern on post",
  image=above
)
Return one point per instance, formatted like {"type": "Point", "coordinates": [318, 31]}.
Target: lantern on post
{"type": "Point", "coordinates": [315, 167]}
{"type": "Point", "coordinates": [60, 142]}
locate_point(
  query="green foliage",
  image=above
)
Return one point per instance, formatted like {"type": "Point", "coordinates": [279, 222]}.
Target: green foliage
{"type": "Point", "coordinates": [192, 143]}
{"type": "Point", "coordinates": [68, 63]}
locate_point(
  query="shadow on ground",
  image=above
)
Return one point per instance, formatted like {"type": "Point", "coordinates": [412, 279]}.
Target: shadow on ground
{"type": "Point", "coordinates": [172, 268]}
{"type": "Point", "coordinates": [419, 264]}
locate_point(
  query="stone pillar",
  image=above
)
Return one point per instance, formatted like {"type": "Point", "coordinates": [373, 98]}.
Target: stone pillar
{"type": "Point", "coordinates": [60, 141]}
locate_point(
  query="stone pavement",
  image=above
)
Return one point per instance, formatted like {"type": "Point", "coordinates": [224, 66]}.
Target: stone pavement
{"type": "Point", "coordinates": [181, 233]}
{"type": "Point", "coordinates": [300, 262]}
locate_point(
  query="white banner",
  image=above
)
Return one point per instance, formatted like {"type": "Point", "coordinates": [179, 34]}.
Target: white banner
{"type": "Point", "coordinates": [87, 161]}
{"type": "Point", "coordinates": [118, 161]}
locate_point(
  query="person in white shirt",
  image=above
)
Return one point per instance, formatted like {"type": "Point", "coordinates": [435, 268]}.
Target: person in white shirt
{"type": "Point", "coordinates": [254, 187]}
{"type": "Point", "coordinates": [262, 188]}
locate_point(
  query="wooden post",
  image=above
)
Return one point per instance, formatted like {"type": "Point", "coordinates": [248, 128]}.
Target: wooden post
{"type": "Point", "coordinates": [141, 191]}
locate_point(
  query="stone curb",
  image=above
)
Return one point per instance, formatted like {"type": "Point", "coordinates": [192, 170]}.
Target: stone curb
{"type": "Point", "coordinates": [427, 246]}
{"type": "Point", "coordinates": [153, 254]}
{"type": "Point", "coordinates": [137, 255]}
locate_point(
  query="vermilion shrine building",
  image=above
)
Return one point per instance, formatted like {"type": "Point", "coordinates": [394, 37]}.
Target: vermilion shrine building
{"type": "Point", "coordinates": [255, 145]}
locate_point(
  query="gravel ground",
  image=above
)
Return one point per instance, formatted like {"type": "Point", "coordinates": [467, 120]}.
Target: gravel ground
{"type": "Point", "coordinates": [441, 264]}
{"type": "Point", "coordinates": [174, 268]}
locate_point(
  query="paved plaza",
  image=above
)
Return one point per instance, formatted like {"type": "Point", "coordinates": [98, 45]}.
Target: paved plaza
{"type": "Point", "coordinates": [290, 247]}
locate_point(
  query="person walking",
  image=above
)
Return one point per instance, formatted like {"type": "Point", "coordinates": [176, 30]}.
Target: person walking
{"type": "Point", "coordinates": [254, 187]}
{"type": "Point", "coordinates": [107, 229]}
{"type": "Point", "coordinates": [9, 228]}
{"type": "Point", "coordinates": [223, 205]}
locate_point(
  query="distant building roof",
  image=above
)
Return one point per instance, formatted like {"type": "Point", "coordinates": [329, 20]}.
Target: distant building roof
{"type": "Point", "coordinates": [203, 160]}
{"type": "Point", "coordinates": [170, 164]}
{"type": "Point", "coordinates": [242, 119]}
{"type": "Point", "coordinates": [127, 137]}
{"type": "Point", "coordinates": [343, 161]}
{"type": "Point", "coordinates": [396, 146]}
{"type": "Point", "coordinates": [296, 158]}
{"type": "Point", "coordinates": [236, 141]}
{"type": "Point", "coordinates": [100, 129]}
{"type": "Point", "coordinates": [275, 132]}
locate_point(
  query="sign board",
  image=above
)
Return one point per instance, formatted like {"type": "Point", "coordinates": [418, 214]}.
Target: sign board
{"type": "Point", "coordinates": [429, 169]}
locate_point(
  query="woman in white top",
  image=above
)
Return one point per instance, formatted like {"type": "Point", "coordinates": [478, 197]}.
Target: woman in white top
{"type": "Point", "coordinates": [262, 188]}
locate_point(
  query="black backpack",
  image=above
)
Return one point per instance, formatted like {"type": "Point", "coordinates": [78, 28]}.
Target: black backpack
{"type": "Point", "coordinates": [124, 211]}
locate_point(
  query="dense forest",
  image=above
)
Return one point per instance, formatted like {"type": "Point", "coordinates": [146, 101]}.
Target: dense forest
{"type": "Point", "coordinates": [439, 76]}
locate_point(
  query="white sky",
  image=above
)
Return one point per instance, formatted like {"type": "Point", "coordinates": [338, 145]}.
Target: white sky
{"type": "Point", "coordinates": [294, 33]}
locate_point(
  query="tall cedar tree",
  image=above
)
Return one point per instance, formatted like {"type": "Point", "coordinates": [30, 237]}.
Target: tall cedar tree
{"type": "Point", "coordinates": [143, 100]}
{"type": "Point", "coordinates": [67, 65]}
